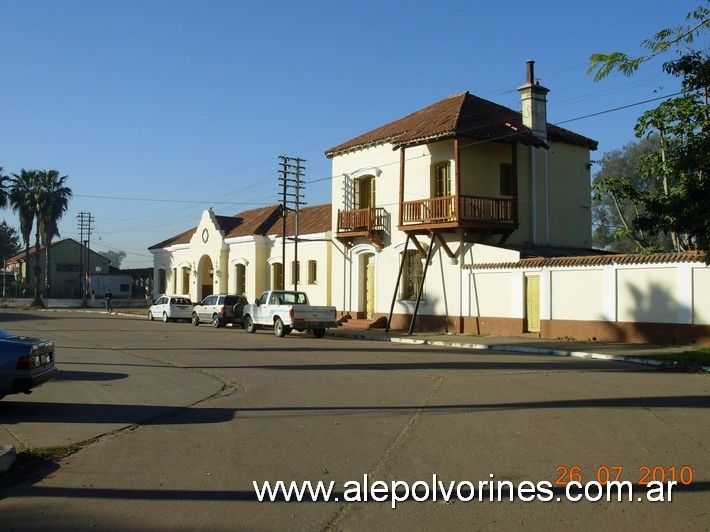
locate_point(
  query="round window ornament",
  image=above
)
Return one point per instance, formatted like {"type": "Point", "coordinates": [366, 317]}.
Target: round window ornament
{"type": "Point", "coordinates": [205, 235]}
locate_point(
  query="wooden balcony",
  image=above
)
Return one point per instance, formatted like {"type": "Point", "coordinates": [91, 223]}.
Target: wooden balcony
{"type": "Point", "coordinates": [460, 211]}
{"type": "Point", "coordinates": [370, 222]}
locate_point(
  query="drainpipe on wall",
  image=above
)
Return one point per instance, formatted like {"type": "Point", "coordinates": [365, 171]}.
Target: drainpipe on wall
{"type": "Point", "coordinates": [547, 202]}
{"type": "Point", "coordinates": [533, 197]}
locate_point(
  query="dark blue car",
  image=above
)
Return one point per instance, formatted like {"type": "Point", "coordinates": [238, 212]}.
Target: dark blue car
{"type": "Point", "coordinates": [25, 363]}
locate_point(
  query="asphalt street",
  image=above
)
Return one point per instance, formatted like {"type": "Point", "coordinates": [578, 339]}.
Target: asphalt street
{"type": "Point", "coordinates": [177, 422]}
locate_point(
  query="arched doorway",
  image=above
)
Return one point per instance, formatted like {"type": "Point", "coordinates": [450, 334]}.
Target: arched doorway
{"type": "Point", "coordinates": [365, 281]}
{"type": "Point", "coordinates": [368, 292]}
{"type": "Point", "coordinates": [205, 278]}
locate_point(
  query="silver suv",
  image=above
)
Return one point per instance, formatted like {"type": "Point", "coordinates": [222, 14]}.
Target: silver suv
{"type": "Point", "coordinates": [219, 309]}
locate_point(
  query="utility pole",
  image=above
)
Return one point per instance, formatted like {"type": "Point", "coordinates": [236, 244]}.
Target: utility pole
{"type": "Point", "coordinates": [85, 227]}
{"type": "Point", "coordinates": [291, 181]}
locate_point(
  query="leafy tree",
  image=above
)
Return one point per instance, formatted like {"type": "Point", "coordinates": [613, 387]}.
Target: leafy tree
{"type": "Point", "coordinates": [616, 207]}
{"type": "Point", "coordinates": [115, 257]}
{"type": "Point", "coordinates": [52, 202]}
{"type": "Point", "coordinates": [3, 188]}
{"type": "Point", "coordinates": [22, 198]}
{"type": "Point", "coordinates": [42, 195]}
{"type": "Point", "coordinates": [9, 245]}
{"type": "Point", "coordinates": [682, 124]}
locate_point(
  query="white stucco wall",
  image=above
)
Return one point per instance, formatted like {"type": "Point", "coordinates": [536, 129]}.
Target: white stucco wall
{"type": "Point", "coordinates": [491, 294]}
{"type": "Point", "coordinates": [673, 293]}
{"type": "Point", "coordinates": [701, 295]}
{"type": "Point", "coordinates": [647, 295]}
{"type": "Point", "coordinates": [577, 294]}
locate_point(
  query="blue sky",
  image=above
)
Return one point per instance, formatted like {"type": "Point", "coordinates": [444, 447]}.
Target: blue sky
{"type": "Point", "coordinates": [159, 109]}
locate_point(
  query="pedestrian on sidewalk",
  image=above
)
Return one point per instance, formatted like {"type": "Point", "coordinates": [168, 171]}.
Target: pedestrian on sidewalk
{"type": "Point", "coordinates": [107, 298]}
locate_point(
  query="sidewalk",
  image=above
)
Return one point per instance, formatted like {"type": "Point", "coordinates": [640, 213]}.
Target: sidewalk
{"type": "Point", "coordinates": [634, 353]}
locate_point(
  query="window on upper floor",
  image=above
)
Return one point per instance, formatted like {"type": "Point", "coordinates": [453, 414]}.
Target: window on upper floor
{"type": "Point", "coordinates": [506, 179]}
{"type": "Point", "coordinates": [364, 192]}
{"type": "Point", "coordinates": [441, 179]}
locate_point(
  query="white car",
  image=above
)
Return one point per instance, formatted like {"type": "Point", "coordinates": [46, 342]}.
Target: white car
{"type": "Point", "coordinates": [171, 308]}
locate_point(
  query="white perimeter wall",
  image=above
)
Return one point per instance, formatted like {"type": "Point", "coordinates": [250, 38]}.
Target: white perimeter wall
{"type": "Point", "coordinates": [674, 293]}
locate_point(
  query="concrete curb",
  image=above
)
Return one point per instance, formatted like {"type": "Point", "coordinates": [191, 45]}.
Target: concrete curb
{"type": "Point", "coordinates": [518, 349]}
{"type": "Point", "coordinates": [8, 455]}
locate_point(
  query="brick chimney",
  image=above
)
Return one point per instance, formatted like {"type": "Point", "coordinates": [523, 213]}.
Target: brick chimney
{"type": "Point", "coordinates": [533, 100]}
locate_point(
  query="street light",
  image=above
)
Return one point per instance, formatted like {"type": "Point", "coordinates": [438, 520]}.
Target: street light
{"type": "Point", "coordinates": [98, 277]}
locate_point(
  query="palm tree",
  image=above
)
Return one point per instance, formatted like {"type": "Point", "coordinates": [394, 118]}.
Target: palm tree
{"type": "Point", "coordinates": [23, 200]}
{"type": "Point", "coordinates": [52, 202]}
{"type": "Point", "coordinates": [3, 188]}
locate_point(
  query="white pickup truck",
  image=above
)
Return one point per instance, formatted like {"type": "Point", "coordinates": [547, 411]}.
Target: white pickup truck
{"type": "Point", "coordinates": [287, 310]}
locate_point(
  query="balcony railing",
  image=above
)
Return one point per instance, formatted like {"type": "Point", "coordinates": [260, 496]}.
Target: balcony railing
{"type": "Point", "coordinates": [362, 220]}
{"type": "Point", "coordinates": [458, 209]}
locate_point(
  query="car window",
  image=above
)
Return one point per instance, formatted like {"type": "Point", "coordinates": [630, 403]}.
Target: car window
{"type": "Point", "coordinates": [161, 301]}
{"type": "Point", "coordinates": [181, 301]}
{"type": "Point", "coordinates": [210, 300]}
{"type": "Point", "coordinates": [262, 299]}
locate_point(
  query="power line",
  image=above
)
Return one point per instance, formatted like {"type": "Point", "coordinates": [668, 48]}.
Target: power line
{"type": "Point", "coordinates": [619, 108]}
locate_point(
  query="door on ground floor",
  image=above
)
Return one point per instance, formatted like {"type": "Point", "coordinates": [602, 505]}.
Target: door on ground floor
{"type": "Point", "coordinates": [532, 303]}
{"type": "Point", "coordinates": [370, 287]}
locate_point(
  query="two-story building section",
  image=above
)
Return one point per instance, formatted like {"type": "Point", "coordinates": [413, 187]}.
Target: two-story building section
{"type": "Point", "coordinates": [412, 198]}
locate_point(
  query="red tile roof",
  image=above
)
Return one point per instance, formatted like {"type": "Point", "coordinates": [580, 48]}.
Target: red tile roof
{"type": "Point", "coordinates": [459, 115]}
{"type": "Point", "coordinates": [263, 221]}
{"type": "Point", "coordinates": [591, 260]}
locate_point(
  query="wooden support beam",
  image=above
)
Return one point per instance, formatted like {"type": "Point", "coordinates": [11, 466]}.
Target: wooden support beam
{"type": "Point", "coordinates": [417, 245]}
{"type": "Point", "coordinates": [444, 245]}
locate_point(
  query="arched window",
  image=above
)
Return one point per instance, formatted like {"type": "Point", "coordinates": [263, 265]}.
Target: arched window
{"type": "Point", "coordinates": [411, 275]}
{"type": "Point", "coordinates": [277, 276]}
{"type": "Point", "coordinates": [240, 276]}
{"type": "Point", "coordinates": [161, 281]}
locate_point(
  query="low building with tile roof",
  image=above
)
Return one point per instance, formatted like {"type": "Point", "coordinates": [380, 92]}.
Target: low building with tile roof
{"type": "Point", "coordinates": [244, 254]}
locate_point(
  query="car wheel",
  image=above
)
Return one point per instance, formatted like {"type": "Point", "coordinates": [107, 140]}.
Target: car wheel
{"type": "Point", "coordinates": [249, 325]}
{"type": "Point", "coordinates": [195, 319]}
{"type": "Point", "coordinates": [165, 317]}
{"type": "Point", "coordinates": [280, 329]}
{"type": "Point", "coordinates": [150, 316]}
{"type": "Point", "coordinates": [216, 322]}
{"type": "Point", "coordinates": [319, 333]}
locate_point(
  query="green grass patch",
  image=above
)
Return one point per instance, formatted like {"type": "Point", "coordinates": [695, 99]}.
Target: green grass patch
{"type": "Point", "coordinates": [699, 356]}
{"type": "Point", "coordinates": [48, 454]}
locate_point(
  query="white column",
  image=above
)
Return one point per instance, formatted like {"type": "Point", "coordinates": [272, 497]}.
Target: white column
{"type": "Point", "coordinates": [685, 293]}
{"type": "Point", "coordinates": [610, 294]}
{"type": "Point", "coordinates": [545, 294]}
